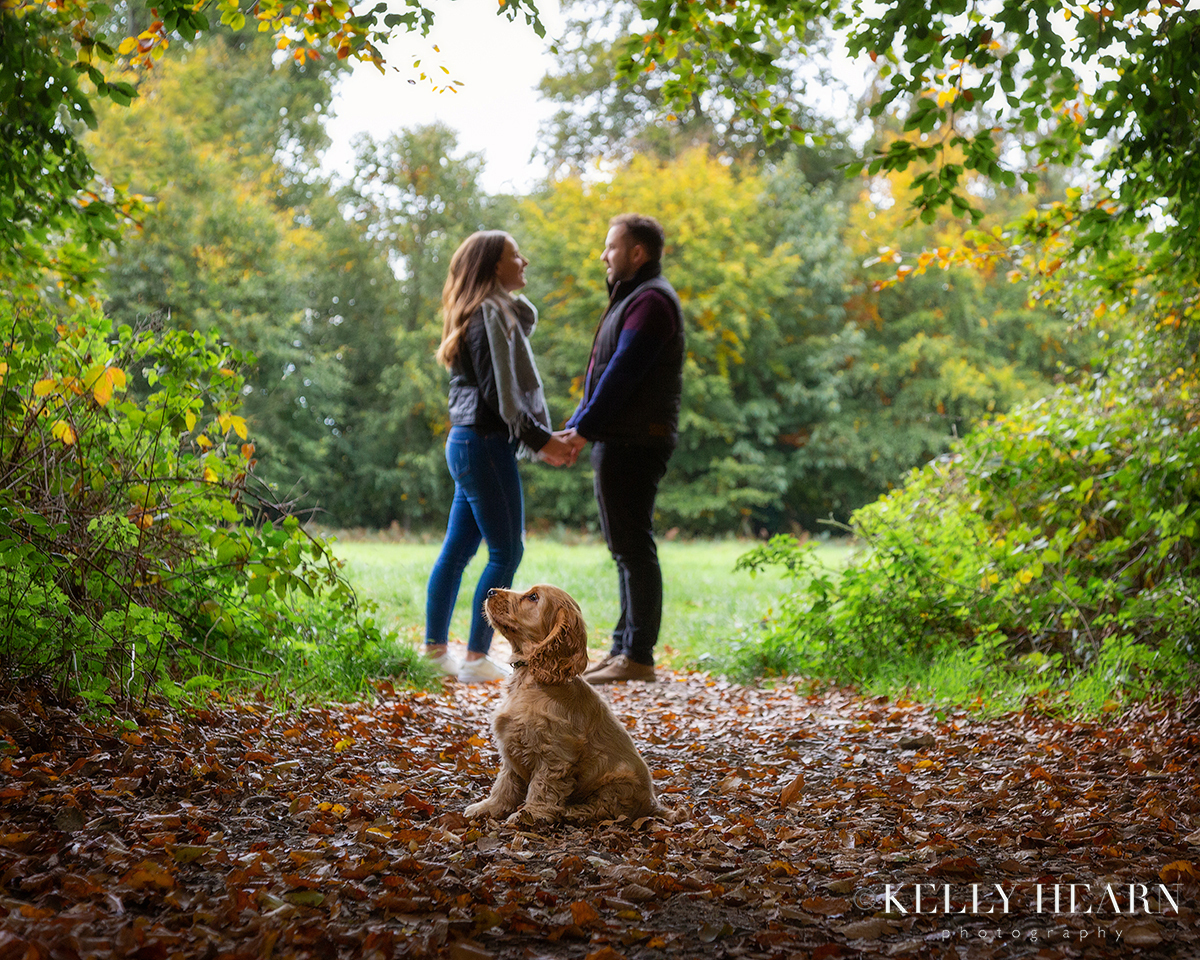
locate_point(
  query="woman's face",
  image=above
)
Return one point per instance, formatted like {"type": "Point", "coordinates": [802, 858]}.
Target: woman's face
{"type": "Point", "coordinates": [510, 271]}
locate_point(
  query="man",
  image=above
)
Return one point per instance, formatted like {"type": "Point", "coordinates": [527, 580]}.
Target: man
{"type": "Point", "coordinates": [630, 412]}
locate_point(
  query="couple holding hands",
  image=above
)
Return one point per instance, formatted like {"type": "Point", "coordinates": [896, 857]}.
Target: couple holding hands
{"type": "Point", "coordinates": [629, 413]}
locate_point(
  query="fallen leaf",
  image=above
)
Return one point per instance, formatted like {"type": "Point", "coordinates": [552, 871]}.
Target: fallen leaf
{"type": "Point", "coordinates": [188, 853]}
{"type": "Point", "coordinates": [712, 931]}
{"type": "Point", "coordinates": [959, 868]}
{"type": "Point", "coordinates": [305, 898]}
{"type": "Point", "coordinates": [605, 953]}
{"type": "Point", "coordinates": [791, 793]}
{"type": "Point", "coordinates": [469, 950]}
{"type": "Point", "coordinates": [148, 874]}
{"type": "Point", "coordinates": [1143, 935]}
{"type": "Point", "coordinates": [69, 820]}
{"type": "Point", "coordinates": [636, 893]}
{"type": "Point", "coordinates": [871, 929]}
{"type": "Point", "coordinates": [1177, 870]}
{"type": "Point", "coordinates": [826, 906]}
{"type": "Point", "coordinates": [583, 913]}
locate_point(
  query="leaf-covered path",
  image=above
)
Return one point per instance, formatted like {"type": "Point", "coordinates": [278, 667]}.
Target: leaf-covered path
{"type": "Point", "coordinates": [806, 825]}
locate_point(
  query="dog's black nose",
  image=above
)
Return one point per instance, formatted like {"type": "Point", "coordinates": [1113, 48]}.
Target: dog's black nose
{"type": "Point", "coordinates": [492, 592]}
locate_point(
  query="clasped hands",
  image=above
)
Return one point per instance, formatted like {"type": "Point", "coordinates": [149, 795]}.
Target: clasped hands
{"type": "Point", "coordinates": [562, 449]}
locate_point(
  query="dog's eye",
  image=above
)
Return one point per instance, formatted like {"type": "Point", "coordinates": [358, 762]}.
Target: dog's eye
{"type": "Point", "coordinates": [532, 597]}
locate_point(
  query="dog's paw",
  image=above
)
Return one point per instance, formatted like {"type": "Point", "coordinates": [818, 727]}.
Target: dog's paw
{"type": "Point", "coordinates": [477, 811]}
{"type": "Point", "coordinates": [531, 815]}
{"type": "Point", "coordinates": [671, 815]}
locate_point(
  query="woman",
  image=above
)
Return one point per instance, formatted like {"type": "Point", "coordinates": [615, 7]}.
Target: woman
{"type": "Point", "coordinates": [497, 413]}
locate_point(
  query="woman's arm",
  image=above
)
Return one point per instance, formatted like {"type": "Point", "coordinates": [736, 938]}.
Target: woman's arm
{"type": "Point", "coordinates": [479, 356]}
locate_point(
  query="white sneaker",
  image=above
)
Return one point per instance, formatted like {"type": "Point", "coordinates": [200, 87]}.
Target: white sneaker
{"type": "Point", "coordinates": [446, 663]}
{"type": "Point", "coordinates": [484, 670]}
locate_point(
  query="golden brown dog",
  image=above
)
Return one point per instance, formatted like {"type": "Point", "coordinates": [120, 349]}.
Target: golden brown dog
{"type": "Point", "coordinates": [563, 755]}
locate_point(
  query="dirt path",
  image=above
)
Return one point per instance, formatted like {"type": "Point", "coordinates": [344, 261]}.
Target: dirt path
{"type": "Point", "coordinates": [807, 825]}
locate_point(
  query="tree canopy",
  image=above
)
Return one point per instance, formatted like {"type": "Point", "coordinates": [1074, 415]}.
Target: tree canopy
{"type": "Point", "coordinates": [1001, 90]}
{"type": "Point", "coordinates": [601, 118]}
{"type": "Point", "coordinates": [54, 212]}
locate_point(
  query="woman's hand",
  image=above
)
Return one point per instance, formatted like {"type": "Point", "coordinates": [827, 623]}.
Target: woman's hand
{"type": "Point", "coordinates": [557, 454]}
{"type": "Point", "coordinates": [573, 439]}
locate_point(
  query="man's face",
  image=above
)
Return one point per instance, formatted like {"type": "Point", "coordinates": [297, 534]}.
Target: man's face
{"type": "Point", "coordinates": [622, 257]}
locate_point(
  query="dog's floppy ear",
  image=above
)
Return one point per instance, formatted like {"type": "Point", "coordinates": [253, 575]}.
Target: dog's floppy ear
{"type": "Point", "coordinates": [563, 654]}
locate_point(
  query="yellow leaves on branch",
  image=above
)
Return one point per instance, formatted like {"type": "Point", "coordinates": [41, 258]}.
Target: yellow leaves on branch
{"type": "Point", "coordinates": [230, 421]}
{"type": "Point", "coordinates": [310, 23]}
{"type": "Point", "coordinates": [943, 257]}
{"type": "Point", "coordinates": [100, 380]}
{"type": "Point", "coordinates": [145, 42]}
{"type": "Point", "coordinates": [147, 47]}
{"type": "Point", "coordinates": [103, 381]}
{"type": "Point", "coordinates": [61, 430]}
{"type": "Point", "coordinates": [225, 423]}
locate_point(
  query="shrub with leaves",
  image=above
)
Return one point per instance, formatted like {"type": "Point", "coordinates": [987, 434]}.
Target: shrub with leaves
{"type": "Point", "coordinates": [1059, 540]}
{"type": "Point", "coordinates": [127, 559]}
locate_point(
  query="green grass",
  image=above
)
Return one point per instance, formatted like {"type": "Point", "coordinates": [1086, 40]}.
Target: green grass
{"type": "Point", "coordinates": [705, 604]}
{"type": "Point", "coordinates": [708, 620]}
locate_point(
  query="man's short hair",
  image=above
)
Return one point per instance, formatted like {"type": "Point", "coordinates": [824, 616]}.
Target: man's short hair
{"type": "Point", "coordinates": [643, 230]}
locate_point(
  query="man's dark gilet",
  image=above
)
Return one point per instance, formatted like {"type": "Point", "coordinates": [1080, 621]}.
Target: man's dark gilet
{"type": "Point", "coordinates": [651, 414]}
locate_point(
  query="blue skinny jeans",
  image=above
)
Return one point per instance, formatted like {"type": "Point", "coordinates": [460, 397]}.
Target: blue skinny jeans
{"type": "Point", "coordinates": [488, 505]}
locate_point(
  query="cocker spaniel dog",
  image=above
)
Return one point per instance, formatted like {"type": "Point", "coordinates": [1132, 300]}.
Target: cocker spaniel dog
{"type": "Point", "coordinates": [563, 755]}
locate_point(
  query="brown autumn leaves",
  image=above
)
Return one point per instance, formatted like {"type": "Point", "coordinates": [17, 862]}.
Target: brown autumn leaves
{"type": "Point", "coordinates": [810, 827]}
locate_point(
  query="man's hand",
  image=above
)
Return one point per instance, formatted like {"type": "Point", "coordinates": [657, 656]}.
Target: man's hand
{"type": "Point", "coordinates": [573, 440]}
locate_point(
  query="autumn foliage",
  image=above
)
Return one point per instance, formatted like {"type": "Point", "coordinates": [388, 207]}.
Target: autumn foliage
{"type": "Point", "coordinates": [236, 830]}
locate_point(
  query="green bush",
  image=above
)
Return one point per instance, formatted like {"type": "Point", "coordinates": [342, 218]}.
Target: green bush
{"type": "Point", "coordinates": [130, 558]}
{"type": "Point", "coordinates": [1057, 544]}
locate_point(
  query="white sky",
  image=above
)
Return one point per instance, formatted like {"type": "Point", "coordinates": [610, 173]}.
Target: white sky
{"type": "Point", "coordinates": [497, 111]}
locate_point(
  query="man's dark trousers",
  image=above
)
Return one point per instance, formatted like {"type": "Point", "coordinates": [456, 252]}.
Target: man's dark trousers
{"type": "Point", "coordinates": [626, 478]}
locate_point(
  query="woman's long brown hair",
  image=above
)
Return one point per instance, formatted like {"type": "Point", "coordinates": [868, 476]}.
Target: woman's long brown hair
{"type": "Point", "coordinates": [470, 281]}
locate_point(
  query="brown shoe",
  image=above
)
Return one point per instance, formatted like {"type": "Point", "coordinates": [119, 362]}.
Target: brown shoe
{"type": "Point", "coordinates": [599, 664]}
{"type": "Point", "coordinates": [619, 669]}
